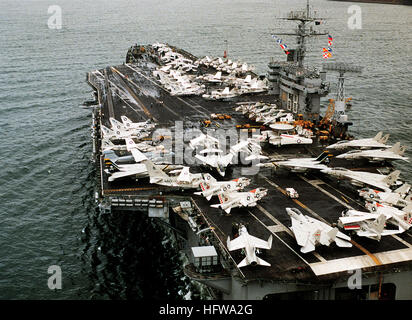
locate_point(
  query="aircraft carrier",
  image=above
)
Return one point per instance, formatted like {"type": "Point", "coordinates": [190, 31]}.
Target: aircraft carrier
{"type": "Point", "coordinates": [134, 89]}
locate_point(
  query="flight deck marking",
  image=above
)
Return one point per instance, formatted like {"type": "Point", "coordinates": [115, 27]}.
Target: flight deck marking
{"type": "Point", "coordinates": [108, 94]}
{"type": "Point", "coordinates": [289, 247]}
{"type": "Point", "coordinates": [271, 217]}
{"type": "Point", "coordinates": [157, 100]}
{"type": "Point", "coordinates": [325, 192]}
{"type": "Point", "coordinates": [402, 241]}
{"type": "Point", "coordinates": [131, 107]}
{"type": "Point", "coordinates": [295, 200]}
{"type": "Point", "coordinates": [132, 93]}
{"type": "Point", "coordinates": [188, 104]}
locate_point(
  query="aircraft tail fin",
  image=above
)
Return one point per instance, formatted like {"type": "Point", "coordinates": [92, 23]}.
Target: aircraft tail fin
{"type": "Point", "coordinates": [398, 149]}
{"type": "Point", "coordinates": [384, 139]}
{"type": "Point", "coordinates": [243, 263]}
{"type": "Point", "coordinates": [395, 148]}
{"type": "Point", "coordinates": [378, 136]}
{"type": "Point", "coordinates": [116, 125]}
{"type": "Point", "coordinates": [262, 262]}
{"type": "Point", "coordinates": [138, 156]}
{"type": "Point", "coordinates": [126, 121]}
{"type": "Point", "coordinates": [332, 233]}
{"type": "Point", "coordinates": [130, 144]}
{"type": "Point", "coordinates": [110, 155]}
{"type": "Point", "coordinates": [379, 224]}
{"type": "Point", "coordinates": [402, 150]}
{"type": "Point", "coordinates": [408, 208]}
{"type": "Point", "coordinates": [220, 205]}
{"type": "Point", "coordinates": [403, 189]}
{"type": "Point", "coordinates": [106, 130]}
{"type": "Point", "coordinates": [323, 156]}
{"type": "Point", "coordinates": [153, 171]}
{"type": "Point", "coordinates": [390, 179]}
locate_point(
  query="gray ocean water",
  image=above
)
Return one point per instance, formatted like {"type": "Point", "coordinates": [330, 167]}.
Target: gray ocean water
{"type": "Point", "coordinates": [47, 213]}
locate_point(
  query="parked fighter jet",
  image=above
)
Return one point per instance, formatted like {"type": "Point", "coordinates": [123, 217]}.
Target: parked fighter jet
{"type": "Point", "coordinates": [249, 244]}
{"type": "Point", "coordinates": [156, 156]}
{"type": "Point", "coordinates": [211, 187]}
{"type": "Point", "coordinates": [310, 232]}
{"type": "Point", "coordinates": [205, 141]}
{"type": "Point", "coordinates": [361, 178]}
{"type": "Point", "coordinates": [274, 116]}
{"type": "Point", "coordinates": [146, 125]}
{"type": "Point", "coordinates": [365, 224]}
{"type": "Point", "coordinates": [121, 130]}
{"type": "Point", "coordinates": [216, 161]}
{"type": "Point", "coordinates": [396, 197]}
{"type": "Point", "coordinates": [185, 179]}
{"type": "Point", "coordinates": [401, 218]}
{"type": "Point", "coordinates": [250, 146]}
{"type": "Point", "coordinates": [143, 146]}
{"type": "Point", "coordinates": [304, 164]}
{"type": "Point", "coordinates": [226, 93]}
{"type": "Point", "coordinates": [109, 134]}
{"type": "Point", "coordinates": [215, 78]}
{"type": "Point", "coordinates": [281, 139]}
{"type": "Point", "coordinates": [231, 200]}
{"type": "Point", "coordinates": [376, 142]}
{"type": "Point", "coordinates": [213, 155]}
{"type": "Point", "coordinates": [136, 169]}
{"type": "Point", "coordinates": [393, 153]}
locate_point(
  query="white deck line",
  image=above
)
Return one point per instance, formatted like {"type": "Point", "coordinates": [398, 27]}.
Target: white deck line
{"type": "Point", "coordinates": [325, 192]}
{"type": "Point", "coordinates": [358, 262]}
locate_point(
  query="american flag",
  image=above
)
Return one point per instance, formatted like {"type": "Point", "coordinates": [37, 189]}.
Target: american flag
{"type": "Point", "coordinates": [330, 40]}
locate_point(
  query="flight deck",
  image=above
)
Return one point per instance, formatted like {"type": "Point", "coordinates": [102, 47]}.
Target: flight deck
{"type": "Point", "coordinates": [131, 89]}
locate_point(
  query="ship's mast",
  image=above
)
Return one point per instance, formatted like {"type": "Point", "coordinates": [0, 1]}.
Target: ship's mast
{"type": "Point", "coordinates": [304, 18]}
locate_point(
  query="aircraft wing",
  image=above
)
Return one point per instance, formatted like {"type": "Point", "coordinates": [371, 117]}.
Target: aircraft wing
{"type": "Point", "coordinates": [245, 200]}
{"type": "Point", "coordinates": [210, 150]}
{"type": "Point", "coordinates": [258, 243]}
{"type": "Point", "coordinates": [354, 219]}
{"type": "Point", "coordinates": [137, 155]}
{"type": "Point", "coordinates": [297, 165]}
{"type": "Point", "coordinates": [209, 161]}
{"type": "Point", "coordinates": [300, 233]}
{"type": "Point", "coordinates": [238, 243]}
{"type": "Point", "coordinates": [369, 179]}
{"type": "Point", "coordinates": [239, 147]}
{"type": "Point", "coordinates": [128, 171]}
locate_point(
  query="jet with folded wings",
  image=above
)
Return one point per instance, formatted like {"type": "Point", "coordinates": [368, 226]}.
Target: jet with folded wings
{"type": "Point", "coordinates": [250, 244]}
{"type": "Point", "coordinates": [310, 232]}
